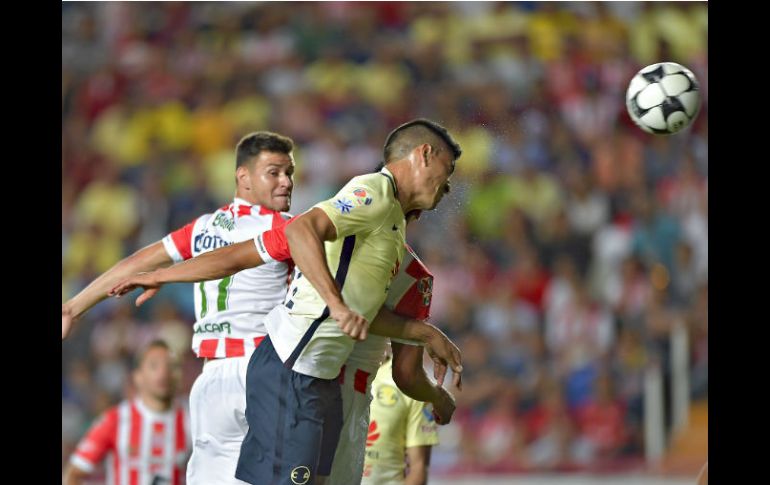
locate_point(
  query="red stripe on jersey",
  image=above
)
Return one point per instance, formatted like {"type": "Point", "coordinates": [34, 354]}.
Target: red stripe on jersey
{"type": "Point", "coordinates": [134, 445]}
{"type": "Point", "coordinates": [258, 340]}
{"type": "Point", "coordinates": [182, 239]}
{"type": "Point", "coordinates": [244, 210]}
{"type": "Point", "coordinates": [208, 348]}
{"type": "Point", "coordinates": [181, 444]}
{"type": "Point", "coordinates": [234, 347]}
{"type": "Point", "coordinates": [359, 384]}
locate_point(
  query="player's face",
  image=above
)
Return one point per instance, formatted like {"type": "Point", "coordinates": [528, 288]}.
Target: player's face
{"type": "Point", "coordinates": [271, 180]}
{"type": "Point", "coordinates": [157, 374]}
{"type": "Point", "coordinates": [436, 177]}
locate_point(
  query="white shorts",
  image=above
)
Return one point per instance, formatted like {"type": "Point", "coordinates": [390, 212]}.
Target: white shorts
{"type": "Point", "coordinates": [218, 421]}
{"type": "Point", "coordinates": [348, 465]}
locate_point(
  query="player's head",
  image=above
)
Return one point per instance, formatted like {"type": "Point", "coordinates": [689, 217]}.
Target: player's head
{"type": "Point", "coordinates": [264, 170]}
{"type": "Point", "coordinates": [431, 153]}
{"type": "Point", "coordinates": [155, 372]}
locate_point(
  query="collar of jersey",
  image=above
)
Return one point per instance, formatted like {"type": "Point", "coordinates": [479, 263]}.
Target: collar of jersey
{"type": "Point", "coordinates": [144, 409]}
{"type": "Point", "coordinates": [262, 210]}
{"type": "Point", "coordinates": [392, 181]}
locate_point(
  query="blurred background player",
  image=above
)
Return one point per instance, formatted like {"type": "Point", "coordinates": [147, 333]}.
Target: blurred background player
{"type": "Point", "coordinates": [401, 434]}
{"type": "Point", "coordinates": [143, 440]}
{"type": "Point", "coordinates": [229, 311]}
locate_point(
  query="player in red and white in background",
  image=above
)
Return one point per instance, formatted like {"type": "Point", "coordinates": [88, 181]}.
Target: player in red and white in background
{"type": "Point", "coordinates": [229, 311]}
{"type": "Point", "coordinates": [144, 440]}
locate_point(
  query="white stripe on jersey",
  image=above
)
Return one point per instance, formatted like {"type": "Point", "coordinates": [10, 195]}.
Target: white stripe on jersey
{"type": "Point", "coordinates": [124, 432]}
{"type": "Point", "coordinates": [145, 446]}
{"type": "Point", "coordinates": [171, 249]}
{"type": "Point", "coordinates": [169, 447]}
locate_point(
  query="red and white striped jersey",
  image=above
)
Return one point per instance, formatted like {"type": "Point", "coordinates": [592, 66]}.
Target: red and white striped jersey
{"type": "Point", "coordinates": [141, 446]}
{"type": "Point", "coordinates": [409, 295]}
{"type": "Point", "coordinates": [229, 312]}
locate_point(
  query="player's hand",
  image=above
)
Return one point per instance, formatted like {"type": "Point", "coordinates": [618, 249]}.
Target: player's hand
{"type": "Point", "coordinates": [444, 353]}
{"type": "Point", "coordinates": [66, 321]}
{"type": "Point", "coordinates": [141, 280]}
{"type": "Point", "coordinates": [443, 407]}
{"type": "Point", "coordinates": [350, 322]}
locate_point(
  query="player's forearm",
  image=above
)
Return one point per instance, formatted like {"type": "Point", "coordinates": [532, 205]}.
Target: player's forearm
{"type": "Point", "coordinates": [418, 475]}
{"type": "Point", "coordinates": [389, 324]}
{"type": "Point", "coordinates": [149, 258]}
{"type": "Point", "coordinates": [307, 251]}
{"type": "Point", "coordinates": [419, 461]}
{"type": "Point", "coordinates": [213, 265]}
{"type": "Point", "coordinates": [410, 376]}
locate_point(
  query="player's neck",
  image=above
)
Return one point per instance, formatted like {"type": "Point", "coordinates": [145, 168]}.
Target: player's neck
{"type": "Point", "coordinates": [244, 195]}
{"type": "Point", "coordinates": [400, 174]}
{"type": "Point", "coordinates": [154, 404]}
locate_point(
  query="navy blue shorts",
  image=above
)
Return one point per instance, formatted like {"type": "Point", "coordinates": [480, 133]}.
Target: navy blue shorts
{"type": "Point", "coordinates": [294, 423]}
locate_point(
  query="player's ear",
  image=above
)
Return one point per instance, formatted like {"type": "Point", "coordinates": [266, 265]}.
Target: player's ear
{"type": "Point", "coordinates": [425, 150]}
{"type": "Point", "coordinates": [242, 177]}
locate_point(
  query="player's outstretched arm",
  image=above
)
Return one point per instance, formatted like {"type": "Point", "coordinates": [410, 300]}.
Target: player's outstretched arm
{"type": "Point", "coordinates": [149, 258]}
{"type": "Point", "coordinates": [409, 375]}
{"type": "Point", "coordinates": [213, 265]}
{"type": "Point", "coordinates": [305, 236]}
{"type": "Point", "coordinates": [73, 475]}
{"type": "Point", "coordinates": [440, 348]}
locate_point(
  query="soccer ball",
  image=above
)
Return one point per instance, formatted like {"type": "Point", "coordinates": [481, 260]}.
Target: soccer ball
{"type": "Point", "coordinates": [663, 98]}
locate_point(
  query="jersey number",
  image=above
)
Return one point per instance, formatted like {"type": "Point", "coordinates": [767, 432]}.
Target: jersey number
{"type": "Point", "coordinates": [222, 294]}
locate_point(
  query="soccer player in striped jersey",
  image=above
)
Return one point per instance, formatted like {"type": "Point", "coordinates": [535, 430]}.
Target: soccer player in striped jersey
{"type": "Point", "coordinates": [144, 440]}
{"type": "Point", "coordinates": [230, 310]}
{"type": "Point", "coordinates": [294, 405]}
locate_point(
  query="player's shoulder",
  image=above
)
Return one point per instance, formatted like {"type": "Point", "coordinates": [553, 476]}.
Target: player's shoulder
{"type": "Point", "coordinates": [376, 184]}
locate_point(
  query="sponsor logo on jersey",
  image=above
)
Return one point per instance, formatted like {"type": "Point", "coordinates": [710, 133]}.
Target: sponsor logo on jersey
{"type": "Point", "coordinates": [204, 242]}
{"type": "Point", "coordinates": [343, 205]}
{"type": "Point", "coordinates": [221, 220]}
{"type": "Point", "coordinates": [300, 475]}
{"type": "Point", "coordinates": [387, 395]}
{"type": "Point", "coordinates": [425, 287]}
{"type": "Point", "coordinates": [373, 435]}
{"type": "Point", "coordinates": [427, 414]}
{"type": "Point", "coordinates": [362, 197]}
{"type": "Point", "coordinates": [212, 327]}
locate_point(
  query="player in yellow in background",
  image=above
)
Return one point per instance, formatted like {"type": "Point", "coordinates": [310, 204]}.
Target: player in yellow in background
{"type": "Point", "coordinates": [400, 430]}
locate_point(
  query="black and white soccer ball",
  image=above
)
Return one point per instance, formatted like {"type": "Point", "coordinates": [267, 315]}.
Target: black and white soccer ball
{"type": "Point", "coordinates": [663, 98]}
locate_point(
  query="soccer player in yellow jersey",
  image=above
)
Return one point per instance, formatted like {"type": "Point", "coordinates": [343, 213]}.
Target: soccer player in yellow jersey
{"type": "Point", "coordinates": [399, 428]}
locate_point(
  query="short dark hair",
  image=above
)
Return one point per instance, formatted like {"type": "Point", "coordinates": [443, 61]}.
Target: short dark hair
{"type": "Point", "coordinates": [407, 136]}
{"type": "Point", "coordinates": [253, 144]}
{"type": "Point", "coordinates": [140, 355]}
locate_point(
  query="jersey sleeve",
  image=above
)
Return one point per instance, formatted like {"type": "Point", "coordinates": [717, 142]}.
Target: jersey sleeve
{"type": "Point", "coordinates": [421, 427]}
{"type": "Point", "coordinates": [178, 244]}
{"type": "Point", "coordinates": [411, 291]}
{"type": "Point", "coordinates": [98, 441]}
{"type": "Point", "coordinates": [272, 244]}
{"type": "Point", "coordinates": [360, 207]}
